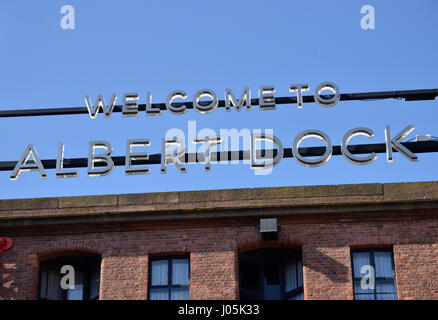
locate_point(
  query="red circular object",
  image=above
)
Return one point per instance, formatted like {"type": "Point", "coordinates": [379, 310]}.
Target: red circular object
{"type": "Point", "coordinates": [5, 244]}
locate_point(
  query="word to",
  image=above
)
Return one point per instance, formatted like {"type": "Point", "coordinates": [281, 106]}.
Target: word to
{"type": "Point", "coordinates": [266, 100]}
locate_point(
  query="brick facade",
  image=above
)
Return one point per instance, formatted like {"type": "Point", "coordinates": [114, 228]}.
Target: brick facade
{"type": "Point", "coordinates": [213, 227]}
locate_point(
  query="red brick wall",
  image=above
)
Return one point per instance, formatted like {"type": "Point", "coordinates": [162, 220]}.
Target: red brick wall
{"type": "Point", "coordinates": [416, 267]}
{"type": "Point", "coordinates": [124, 277]}
{"type": "Point", "coordinates": [214, 256]}
{"type": "Point", "coordinates": [213, 275]}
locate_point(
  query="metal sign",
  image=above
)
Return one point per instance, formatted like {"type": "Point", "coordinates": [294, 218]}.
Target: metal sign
{"type": "Point", "coordinates": [100, 161]}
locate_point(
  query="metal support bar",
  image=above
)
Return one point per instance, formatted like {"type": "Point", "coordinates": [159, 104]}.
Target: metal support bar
{"type": "Point", "coordinates": [415, 147]}
{"type": "Point", "coordinates": [408, 95]}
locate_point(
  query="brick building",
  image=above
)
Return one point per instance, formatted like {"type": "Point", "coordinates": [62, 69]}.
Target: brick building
{"type": "Point", "coordinates": [213, 244]}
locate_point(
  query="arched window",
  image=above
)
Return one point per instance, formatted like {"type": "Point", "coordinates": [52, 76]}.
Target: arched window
{"type": "Point", "coordinates": [58, 275]}
{"type": "Point", "coordinates": [271, 274]}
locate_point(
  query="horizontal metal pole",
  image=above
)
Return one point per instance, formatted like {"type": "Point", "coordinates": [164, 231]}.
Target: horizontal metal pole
{"type": "Point", "coordinates": [415, 147]}
{"type": "Point", "coordinates": [408, 95]}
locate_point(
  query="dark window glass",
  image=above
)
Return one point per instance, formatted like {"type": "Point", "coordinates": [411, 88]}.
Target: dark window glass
{"type": "Point", "coordinates": [271, 274]}
{"type": "Point", "coordinates": [86, 278]}
{"type": "Point", "coordinates": [169, 279]}
{"type": "Point", "coordinates": [373, 275]}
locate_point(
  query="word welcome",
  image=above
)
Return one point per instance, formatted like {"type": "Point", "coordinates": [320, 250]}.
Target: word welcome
{"type": "Point", "coordinates": [266, 100]}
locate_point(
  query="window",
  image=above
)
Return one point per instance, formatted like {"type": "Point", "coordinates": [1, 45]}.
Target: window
{"type": "Point", "coordinates": [373, 275]}
{"type": "Point", "coordinates": [169, 279]}
{"type": "Point", "coordinates": [86, 278]}
{"type": "Point", "coordinates": [271, 274]}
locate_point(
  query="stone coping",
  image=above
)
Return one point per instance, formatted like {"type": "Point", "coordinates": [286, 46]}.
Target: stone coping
{"type": "Point", "coordinates": [326, 196]}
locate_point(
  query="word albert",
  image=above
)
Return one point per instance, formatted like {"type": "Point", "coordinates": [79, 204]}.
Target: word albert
{"type": "Point", "coordinates": [102, 164]}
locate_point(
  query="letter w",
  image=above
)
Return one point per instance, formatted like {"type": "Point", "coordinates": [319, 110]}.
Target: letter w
{"type": "Point", "coordinates": [100, 103]}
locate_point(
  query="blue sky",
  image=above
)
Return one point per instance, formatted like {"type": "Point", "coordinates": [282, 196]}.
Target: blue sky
{"type": "Point", "coordinates": [160, 46]}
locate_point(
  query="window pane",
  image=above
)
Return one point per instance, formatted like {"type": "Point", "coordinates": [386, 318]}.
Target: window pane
{"type": "Point", "coordinates": [364, 296]}
{"type": "Point", "coordinates": [391, 296]}
{"type": "Point", "coordinates": [383, 261]}
{"type": "Point", "coordinates": [300, 273]}
{"type": "Point", "coordinates": [387, 286]}
{"type": "Point", "coordinates": [272, 282]}
{"type": "Point", "coordinates": [271, 274]}
{"type": "Point", "coordinates": [159, 272]}
{"type": "Point", "coordinates": [360, 259]}
{"type": "Point", "coordinates": [87, 272]}
{"type": "Point", "coordinates": [43, 284]}
{"type": "Point", "coordinates": [159, 294]}
{"type": "Point", "coordinates": [298, 296]}
{"type": "Point", "coordinates": [179, 294]}
{"type": "Point", "coordinates": [95, 284]}
{"type": "Point", "coordinates": [366, 288]}
{"type": "Point", "coordinates": [180, 271]}
{"type": "Point", "coordinates": [54, 291]}
{"type": "Point", "coordinates": [250, 276]}
{"type": "Point", "coordinates": [272, 291]}
{"type": "Point", "coordinates": [76, 293]}
{"type": "Point", "coordinates": [290, 276]}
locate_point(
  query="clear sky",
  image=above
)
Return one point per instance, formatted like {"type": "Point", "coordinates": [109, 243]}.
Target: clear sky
{"type": "Point", "coordinates": [160, 46]}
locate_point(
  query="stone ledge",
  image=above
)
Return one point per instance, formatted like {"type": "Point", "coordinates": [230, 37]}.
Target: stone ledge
{"type": "Point", "coordinates": [294, 192]}
{"type": "Point", "coordinates": [323, 196]}
{"type": "Point", "coordinates": [87, 201]}
{"type": "Point", "coordinates": [215, 195]}
{"type": "Point", "coordinates": [148, 198]}
{"type": "Point", "coordinates": [412, 191]}
{"type": "Point", "coordinates": [28, 204]}
{"type": "Point", "coordinates": [318, 191]}
{"type": "Point", "coordinates": [398, 210]}
{"type": "Point", "coordinates": [366, 189]}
